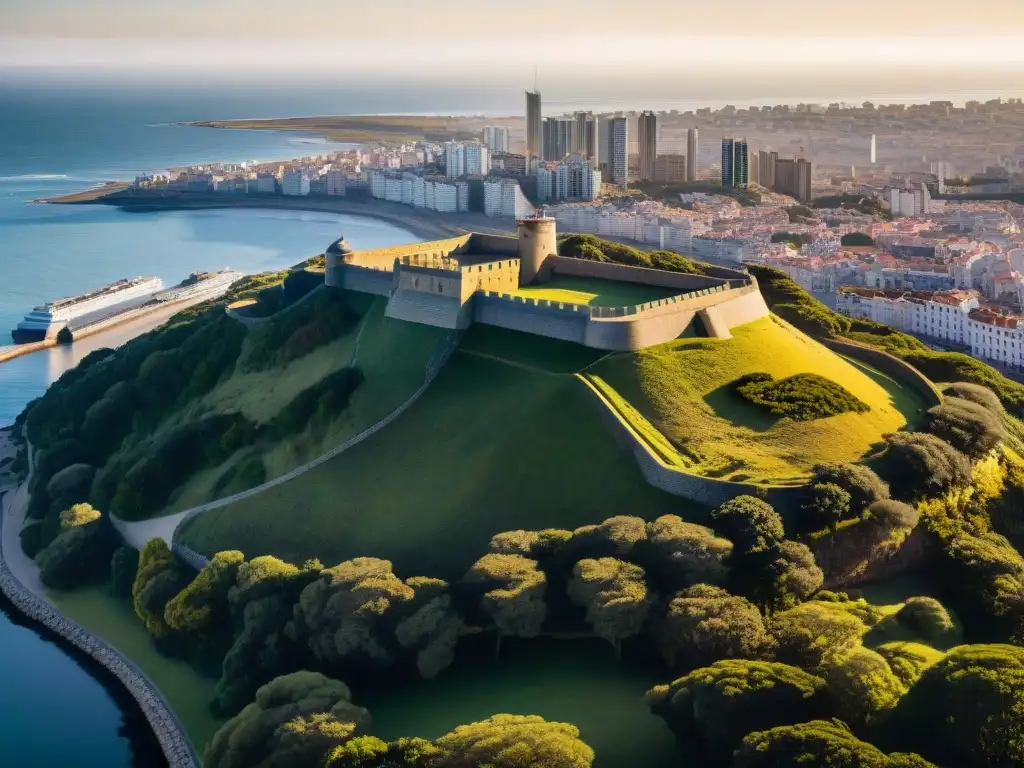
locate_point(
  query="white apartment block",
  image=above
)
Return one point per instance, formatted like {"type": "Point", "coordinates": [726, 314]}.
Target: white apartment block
{"type": "Point", "coordinates": [909, 202]}
{"type": "Point", "coordinates": [996, 337]}
{"type": "Point", "coordinates": [495, 138]}
{"type": "Point", "coordinates": [619, 146]}
{"type": "Point", "coordinates": [476, 160]}
{"type": "Point", "coordinates": [454, 160]}
{"type": "Point", "coordinates": [266, 184]}
{"type": "Point", "coordinates": [295, 184]}
{"type": "Point", "coordinates": [336, 182]}
{"type": "Point", "coordinates": [504, 197]}
{"type": "Point", "coordinates": [576, 180]}
{"type": "Point", "coordinates": [410, 189]}
{"type": "Point", "coordinates": [940, 316]}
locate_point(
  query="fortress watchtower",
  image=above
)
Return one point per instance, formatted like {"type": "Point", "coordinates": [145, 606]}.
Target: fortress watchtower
{"type": "Point", "coordinates": [537, 241]}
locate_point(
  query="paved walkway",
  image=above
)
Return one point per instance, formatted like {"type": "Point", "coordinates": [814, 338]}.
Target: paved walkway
{"type": "Point", "coordinates": [15, 506]}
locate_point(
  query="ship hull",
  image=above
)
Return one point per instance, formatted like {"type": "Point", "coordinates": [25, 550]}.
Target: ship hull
{"type": "Point", "coordinates": [21, 336]}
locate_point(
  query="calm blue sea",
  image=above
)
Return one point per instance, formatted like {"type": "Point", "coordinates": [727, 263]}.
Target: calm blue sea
{"type": "Point", "coordinates": [52, 712]}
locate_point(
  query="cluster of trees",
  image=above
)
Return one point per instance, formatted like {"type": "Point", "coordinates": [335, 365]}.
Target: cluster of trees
{"type": "Point", "coordinates": [797, 239]}
{"type": "Point", "coordinates": [857, 239]}
{"type": "Point", "coordinates": [593, 248]}
{"type": "Point", "coordinates": [790, 301]}
{"type": "Point", "coordinates": [801, 397]}
{"type": "Point", "coordinates": [306, 720]}
{"type": "Point", "coordinates": [866, 205]}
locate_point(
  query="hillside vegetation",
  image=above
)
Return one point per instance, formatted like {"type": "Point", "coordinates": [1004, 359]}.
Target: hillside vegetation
{"type": "Point", "coordinates": [505, 437]}
{"type": "Point", "coordinates": [685, 390]}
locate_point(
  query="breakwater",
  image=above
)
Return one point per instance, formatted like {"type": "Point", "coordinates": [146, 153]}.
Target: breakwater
{"type": "Point", "coordinates": [169, 732]}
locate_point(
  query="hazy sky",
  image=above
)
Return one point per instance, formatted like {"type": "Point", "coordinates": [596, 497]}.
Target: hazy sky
{"type": "Point", "coordinates": [583, 49]}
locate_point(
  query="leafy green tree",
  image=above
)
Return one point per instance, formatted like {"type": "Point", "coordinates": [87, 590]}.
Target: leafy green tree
{"type": "Point", "coordinates": [751, 524]}
{"type": "Point", "coordinates": [857, 238]}
{"type": "Point", "coordinates": [967, 709]}
{"type": "Point", "coordinates": [678, 554]}
{"type": "Point", "coordinates": [80, 553]}
{"type": "Point", "coordinates": [294, 721]}
{"type": "Point", "coordinates": [615, 537]}
{"type": "Point", "coordinates": [821, 743]}
{"type": "Point", "coordinates": [917, 464]}
{"type": "Point", "coordinates": [816, 635]}
{"type": "Point", "coordinates": [863, 485]}
{"type": "Point", "coordinates": [826, 505]}
{"type": "Point", "coordinates": [975, 393]}
{"type": "Point", "coordinates": [431, 627]}
{"type": "Point", "coordinates": [704, 624]}
{"type": "Point", "coordinates": [926, 618]}
{"type": "Point", "coordinates": [512, 594]}
{"type": "Point", "coordinates": [893, 515]}
{"type": "Point", "coordinates": [158, 579]}
{"type": "Point", "coordinates": [512, 741]}
{"type": "Point", "coordinates": [863, 686]}
{"type": "Point", "coordinates": [615, 596]}
{"type": "Point", "coordinates": [123, 565]}
{"type": "Point", "coordinates": [371, 752]}
{"type": "Point", "coordinates": [201, 610]}
{"type": "Point", "coordinates": [908, 661]}
{"type": "Point", "coordinates": [714, 707]}
{"type": "Point", "coordinates": [780, 576]}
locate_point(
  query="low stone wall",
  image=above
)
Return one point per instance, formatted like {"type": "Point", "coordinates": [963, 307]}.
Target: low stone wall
{"type": "Point", "coordinates": [169, 732]}
{"type": "Point", "coordinates": [256, 322]}
{"type": "Point", "coordinates": [890, 365]}
{"type": "Point", "coordinates": [555, 320]}
{"type": "Point", "coordinates": [378, 282]}
{"type": "Point", "coordinates": [434, 365]}
{"type": "Point", "coordinates": [704, 490]}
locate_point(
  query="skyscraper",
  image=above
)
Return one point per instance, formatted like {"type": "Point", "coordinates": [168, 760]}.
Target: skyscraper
{"type": "Point", "coordinates": [692, 168]}
{"type": "Point", "coordinates": [533, 127]}
{"type": "Point", "coordinates": [793, 178]}
{"type": "Point", "coordinates": [735, 170]}
{"type": "Point", "coordinates": [619, 148]}
{"type": "Point", "coordinates": [874, 148]}
{"type": "Point", "coordinates": [647, 144]}
{"type": "Point", "coordinates": [454, 160]}
{"type": "Point", "coordinates": [766, 168]}
{"type": "Point", "coordinates": [496, 138]}
{"type": "Point", "coordinates": [592, 140]}
{"type": "Point", "coordinates": [579, 134]}
{"type": "Point", "coordinates": [551, 139]}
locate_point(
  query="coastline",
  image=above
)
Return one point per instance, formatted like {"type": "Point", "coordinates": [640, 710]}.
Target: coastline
{"type": "Point", "coordinates": [21, 586]}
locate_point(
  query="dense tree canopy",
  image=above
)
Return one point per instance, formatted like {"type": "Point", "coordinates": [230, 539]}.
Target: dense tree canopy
{"type": "Point", "coordinates": [679, 554]}
{"type": "Point", "coordinates": [715, 707]}
{"type": "Point", "coordinates": [158, 579]}
{"type": "Point", "coordinates": [751, 524]}
{"type": "Point", "coordinates": [615, 596]}
{"type": "Point", "coordinates": [919, 464]}
{"type": "Point", "coordinates": [967, 425]}
{"type": "Point", "coordinates": [294, 721]}
{"type": "Point", "coordinates": [863, 686]}
{"type": "Point", "coordinates": [80, 553]}
{"type": "Point", "coordinates": [201, 609]}
{"type": "Point", "coordinates": [863, 485]}
{"type": "Point", "coordinates": [513, 741]}
{"type": "Point", "coordinates": [705, 623]}
{"type": "Point", "coordinates": [816, 635]}
{"type": "Point", "coordinates": [513, 591]}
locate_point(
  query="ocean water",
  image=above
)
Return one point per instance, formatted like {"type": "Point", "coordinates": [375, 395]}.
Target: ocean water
{"type": "Point", "coordinates": [52, 710]}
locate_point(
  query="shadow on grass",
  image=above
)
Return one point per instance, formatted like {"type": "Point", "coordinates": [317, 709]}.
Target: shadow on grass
{"type": "Point", "coordinates": [729, 406]}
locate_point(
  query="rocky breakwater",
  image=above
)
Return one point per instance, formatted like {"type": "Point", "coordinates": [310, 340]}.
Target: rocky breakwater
{"type": "Point", "coordinates": [175, 744]}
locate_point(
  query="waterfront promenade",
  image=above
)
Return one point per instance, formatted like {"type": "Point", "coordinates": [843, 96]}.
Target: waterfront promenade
{"type": "Point", "coordinates": [20, 584]}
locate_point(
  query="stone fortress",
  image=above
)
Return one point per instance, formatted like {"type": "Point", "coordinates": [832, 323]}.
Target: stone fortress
{"type": "Point", "coordinates": [477, 278]}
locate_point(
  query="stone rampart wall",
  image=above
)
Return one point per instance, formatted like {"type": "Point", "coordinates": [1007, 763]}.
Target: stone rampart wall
{"type": "Point", "coordinates": [255, 322]}
{"type": "Point", "coordinates": [435, 364]}
{"type": "Point", "coordinates": [500, 245]}
{"type": "Point", "coordinates": [385, 257]}
{"type": "Point", "coordinates": [364, 280]}
{"type": "Point", "coordinates": [744, 307]}
{"type": "Point", "coordinates": [890, 365]}
{"type": "Point", "coordinates": [704, 490]}
{"type": "Point", "coordinates": [553, 319]}
{"type": "Point", "coordinates": [169, 732]}
{"type": "Point", "coordinates": [561, 265]}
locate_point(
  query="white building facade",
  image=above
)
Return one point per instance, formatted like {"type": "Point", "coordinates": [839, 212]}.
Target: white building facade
{"type": "Point", "coordinates": [495, 138]}
{"type": "Point", "coordinates": [295, 184]}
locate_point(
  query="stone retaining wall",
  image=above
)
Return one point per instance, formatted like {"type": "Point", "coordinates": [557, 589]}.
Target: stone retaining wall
{"type": "Point", "coordinates": [254, 322]}
{"type": "Point", "coordinates": [704, 490]}
{"type": "Point", "coordinates": [169, 731]}
{"type": "Point", "coordinates": [434, 365]}
{"type": "Point", "coordinates": [890, 365]}
{"type": "Point", "coordinates": [624, 273]}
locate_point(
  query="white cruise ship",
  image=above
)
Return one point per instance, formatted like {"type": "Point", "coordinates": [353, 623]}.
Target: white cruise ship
{"type": "Point", "coordinates": [205, 284]}
{"type": "Point", "coordinates": [46, 321]}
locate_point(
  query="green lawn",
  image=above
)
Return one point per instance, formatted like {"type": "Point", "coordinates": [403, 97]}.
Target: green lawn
{"type": "Point", "coordinates": [114, 620]}
{"type": "Point", "coordinates": [490, 447]}
{"type": "Point", "coordinates": [682, 389]}
{"type": "Point", "coordinates": [597, 293]}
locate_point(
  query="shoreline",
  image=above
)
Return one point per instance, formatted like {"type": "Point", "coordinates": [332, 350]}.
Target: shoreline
{"type": "Point", "coordinates": [22, 588]}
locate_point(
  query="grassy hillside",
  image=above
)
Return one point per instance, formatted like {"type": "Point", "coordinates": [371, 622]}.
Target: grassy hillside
{"type": "Point", "coordinates": [682, 389]}
{"type": "Point", "coordinates": [505, 438]}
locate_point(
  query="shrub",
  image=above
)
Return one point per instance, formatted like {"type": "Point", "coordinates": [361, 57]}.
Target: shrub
{"type": "Point", "coordinates": [970, 427]}
{"type": "Point", "coordinates": [801, 397]}
{"type": "Point", "coordinates": [705, 624]}
{"type": "Point", "coordinates": [80, 553]}
{"type": "Point", "coordinates": [751, 524]}
{"type": "Point", "coordinates": [158, 579]}
{"type": "Point", "coordinates": [615, 596]}
{"type": "Point", "coordinates": [857, 239]}
{"type": "Point", "coordinates": [894, 515]}
{"type": "Point", "coordinates": [815, 636]}
{"type": "Point", "coordinates": [826, 505]}
{"type": "Point", "coordinates": [975, 393]}
{"type": "Point", "coordinates": [123, 565]}
{"type": "Point", "coordinates": [512, 741]}
{"type": "Point", "coordinates": [926, 618]}
{"type": "Point", "coordinates": [678, 554]}
{"type": "Point", "coordinates": [863, 687]}
{"type": "Point", "coordinates": [918, 464]}
{"type": "Point", "coordinates": [316, 406]}
{"type": "Point", "coordinates": [908, 661]}
{"type": "Point", "coordinates": [863, 485]}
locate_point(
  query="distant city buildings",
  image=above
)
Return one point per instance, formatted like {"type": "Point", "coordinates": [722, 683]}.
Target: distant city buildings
{"type": "Point", "coordinates": [335, 182]}
{"type": "Point", "coordinates": [735, 163]}
{"type": "Point", "coordinates": [295, 183]}
{"type": "Point", "coordinates": [534, 136]}
{"type": "Point", "coordinates": [560, 138]}
{"type": "Point", "coordinates": [915, 201]}
{"type": "Point", "coordinates": [670, 169]}
{"type": "Point", "coordinates": [766, 168]}
{"type": "Point", "coordinates": [510, 162]}
{"type": "Point", "coordinates": [792, 177]}
{"type": "Point", "coordinates": [873, 150]}
{"type": "Point", "coordinates": [647, 145]}
{"type": "Point", "coordinates": [465, 159]}
{"type": "Point", "coordinates": [575, 179]}
{"type": "Point", "coordinates": [692, 148]}
{"type": "Point", "coordinates": [618, 151]}
{"type": "Point", "coordinates": [432, 193]}
{"type": "Point", "coordinates": [504, 198]}
{"type": "Point", "coordinates": [495, 138]}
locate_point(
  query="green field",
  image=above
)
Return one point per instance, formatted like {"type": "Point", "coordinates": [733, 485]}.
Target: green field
{"type": "Point", "coordinates": [491, 446]}
{"type": "Point", "coordinates": [681, 389]}
{"type": "Point", "coordinates": [596, 293]}
{"type": "Point", "coordinates": [115, 621]}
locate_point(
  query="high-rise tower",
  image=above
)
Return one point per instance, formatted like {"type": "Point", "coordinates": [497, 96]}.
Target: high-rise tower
{"type": "Point", "coordinates": [735, 163]}
{"type": "Point", "coordinates": [647, 144]}
{"type": "Point", "coordinates": [619, 145]}
{"type": "Point", "coordinates": [692, 168]}
{"type": "Point", "coordinates": [533, 128]}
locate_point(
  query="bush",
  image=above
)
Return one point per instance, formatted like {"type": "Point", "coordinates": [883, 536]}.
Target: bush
{"type": "Point", "coordinates": [316, 406]}
{"type": "Point", "coordinates": [80, 553]}
{"type": "Point", "coordinates": [819, 743]}
{"type": "Point", "coordinates": [801, 397]}
{"type": "Point", "coordinates": [790, 301]}
{"type": "Point", "coordinates": [826, 505]}
{"type": "Point", "coordinates": [158, 579]}
{"type": "Point", "coordinates": [863, 686]}
{"type": "Point", "coordinates": [705, 624]}
{"type": "Point", "coordinates": [796, 238]}
{"type": "Point", "coordinates": [123, 565]}
{"type": "Point", "coordinates": [751, 524]}
{"type": "Point", "coordinates": [894, 515]}
{"type": "Point", "coordinates": [863, 485]}
{"type": "Point", "coordinates": [975, 393]}
{"type": "Point", "coordinates": [593, 248]}
{"type": "Point", "coordinates": [857, 239]}
{"type": "Point", "coordinates": [927, 619]}
{"type": "Point", "coordinates": [918, 464]}
{"type": "Point", "coordinates": [816, 635]}
{"type": "Point", "coordinates": [966, 425]}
